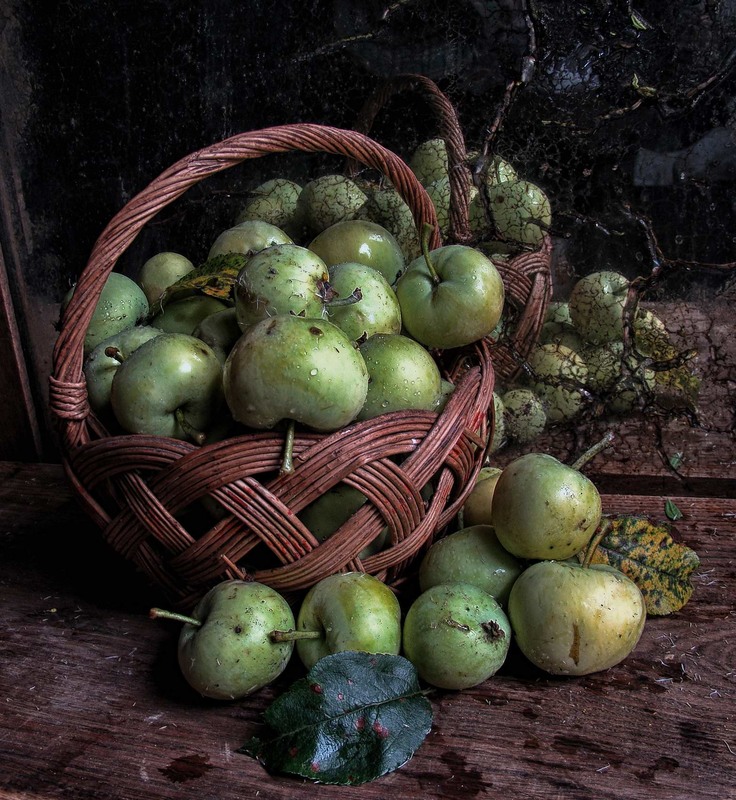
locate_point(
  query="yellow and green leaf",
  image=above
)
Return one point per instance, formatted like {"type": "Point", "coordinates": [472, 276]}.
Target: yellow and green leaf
{"type": "Point", "coordinates": [646, 552]}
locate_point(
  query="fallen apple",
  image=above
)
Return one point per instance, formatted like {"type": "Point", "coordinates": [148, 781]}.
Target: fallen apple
{"type": "Point", "coordinates": [225, 648]}
{"type": "Point", "coordinates": [348, 611]}
{"type": "Point", "coordinates": [573, 620]}
{"type": "Point", "coordinates": [544, 509]}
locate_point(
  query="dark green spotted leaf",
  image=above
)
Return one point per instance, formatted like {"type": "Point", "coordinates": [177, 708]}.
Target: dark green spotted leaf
{"type": "Point", "coordinates": [354, 717]}
{"type": "Point", "coordinates": [215, 278]}
{"type": "Point", "coordinates": [645, 551]}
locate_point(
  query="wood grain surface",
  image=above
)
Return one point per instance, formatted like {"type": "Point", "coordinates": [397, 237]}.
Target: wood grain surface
{"type": "Point", "coordinates": [93, 705]}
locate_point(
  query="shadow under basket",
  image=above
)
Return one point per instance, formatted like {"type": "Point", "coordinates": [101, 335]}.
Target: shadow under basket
{"type": "Point", "coordinates": [190, 516]}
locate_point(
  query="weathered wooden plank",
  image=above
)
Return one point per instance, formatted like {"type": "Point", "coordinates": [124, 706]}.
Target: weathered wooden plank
{"type": "Point", "coordinates": [93, 706]}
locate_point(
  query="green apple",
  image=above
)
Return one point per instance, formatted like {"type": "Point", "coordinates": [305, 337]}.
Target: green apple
{"type": "Point", "coordinates": [349, 611]}
{"type": "Point", "coordinates": [450, 297]}
{"type": "Point", "coordinates": [247, 237]}
{"type": "Point", "coordinates": [524, 415]}
{"type": "Point", "coordinates": [558, 377]}
{"type": "Point", "coordinates": [333, 508]}
{"type": "Point", "coordinates": [102, 363]}
{"type": "Point", "coordinates": [363, 242]}
{"type": "Point", "coordinates": [220, 331]}
{"type": "Point", "coordinates": [497, 170]}
{"type": "Point", "coordinates": [456, 635]}
{"type": "Point", "coordinates": [604, 364]}
{"type": "Point", "coordinates": [281, 279]}
{"type": "Point", "coordinates": [121, 304]}
{"type": "Point", "coordinates": [183, 316]}
{"type": "Point", "coordinates": [225, 648]}
{"type": "Point", "coordinates": [573, 620]}
{"type": "Point", "coordinates": [402, 375]}
{"type": "Point", "coordinates": [470, 555]}
{"type": "Point", "coordinates": [597, 305]}
{"type": "Point", "coordinates": [477, 509]}
{"type": "Point", "coordinates": [295, 368]}
{"type": "Point", "coordinates": [169, 386]}
{"type": "Point", "coordinates": [543, 509]}
{"type": "Point", "coordinates": [520, 210]}
{"type": "Point", "coordinates": [161, 271]}
{"type": "Point", "coordinates": [377, 310]}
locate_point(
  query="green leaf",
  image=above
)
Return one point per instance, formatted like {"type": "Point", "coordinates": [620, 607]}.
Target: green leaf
{"type": "Point", "coordinates": [354, 717]}
{"type": "Point", "coordinates": [215, 277]}
{"type": "Point", "coordinates": [672, 511]}
{"type": "Point", "coordinates": [645, 551]}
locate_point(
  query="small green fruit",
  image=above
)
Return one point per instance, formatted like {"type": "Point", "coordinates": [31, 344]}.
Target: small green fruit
{"type": "Point", "coordinates": [329, 199]}
{"type": "Point", "coordinates": [429, 161]}
{"type": "Point", "coordinates": [597, 306]}
{"type": "Point", "coordinates": [275, 201]}
{"type": "Point", "coordinates": [470, 555]}
{"type": "Point", "coordinates": [350, 611]}
{"type": "Point", "coordinates": [295, 368]}
{"type": "Point", "coordinates": [248, 237]}
{"type": "Point", "coordinates": [402, 375]}
{"type": "Point", "coordinates": [121, 304]}
{"type": "Point", "coordinates": [230, 654]}
{"type": "Point", "coordinates": [161, 271]}
{"type": "Point", "coordinates": [543, 509]}
{"type": "Point", "coordinates": [183, 316]}
{"type": "Point", "coordinates": [360, 241]}
{"type": "Point", "coordinates": [456, 635]}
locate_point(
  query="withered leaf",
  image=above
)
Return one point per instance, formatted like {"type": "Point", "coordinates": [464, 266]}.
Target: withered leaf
{"type": "Point", "coordinates": [216, 277]}
{"type": "Point", "coordinates": [645, 551]}
{"type": "Point", "coordinates": [354, 717]}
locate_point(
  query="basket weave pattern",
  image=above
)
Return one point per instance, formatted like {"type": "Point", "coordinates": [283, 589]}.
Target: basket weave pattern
{"type": "Point", "coordinates": [137, 488]}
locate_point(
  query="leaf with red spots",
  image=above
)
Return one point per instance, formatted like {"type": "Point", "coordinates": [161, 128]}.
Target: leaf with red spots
{"type": "Point", "coordinates": [354, 717]}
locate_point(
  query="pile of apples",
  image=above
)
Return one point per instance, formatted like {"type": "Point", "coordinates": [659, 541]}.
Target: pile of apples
{"type": "Point", "coordinates": [508, 573]}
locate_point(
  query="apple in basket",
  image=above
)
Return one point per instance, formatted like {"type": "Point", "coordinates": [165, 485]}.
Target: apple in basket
{"type": "Point", "coordinates": [297, 369]}
{"type": "Point", "coordinates": [169, 386]}
{"type": "Point", "coordinates": [450, 297]}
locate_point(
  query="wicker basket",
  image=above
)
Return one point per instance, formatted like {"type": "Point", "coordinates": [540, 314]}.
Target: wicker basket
{"type": "Point", "coordinates": [527, 275]}
{"type": "Point", "coordinates": [140, 490]}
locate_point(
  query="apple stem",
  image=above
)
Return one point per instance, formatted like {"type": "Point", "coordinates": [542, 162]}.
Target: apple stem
{"type": "Point", "coordinates": [293, 636]}
{"type": "Point", "coordinates": [593, 451]}
{"type": "Point", "coordinates": [198, 437]}
{"type": "Point", "coordinates": [355, 297]}
{"type": "Point", "coordinates": [596, 539]}
{"type": "Point", "coordinates": [161, 613]}
{"type": "Point", "coordinates": [287, 464]}
{"type": "Point", "coordinates": [427, 231]}
{"type": "Point", "coordinates": [113, 352]}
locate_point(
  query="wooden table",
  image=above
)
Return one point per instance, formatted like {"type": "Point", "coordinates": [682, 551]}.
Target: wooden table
{"type": "Point", "coordinates": [93, 705]}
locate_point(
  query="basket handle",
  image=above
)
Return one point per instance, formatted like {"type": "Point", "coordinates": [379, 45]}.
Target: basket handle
{"type": "Point", "coordinates": [67, 389]}
{"type": "Point", "coordinates": [450, 131]}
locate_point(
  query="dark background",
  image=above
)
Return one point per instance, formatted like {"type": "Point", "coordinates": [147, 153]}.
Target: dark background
{"type": "Point", "coordinates": [627, 122]}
